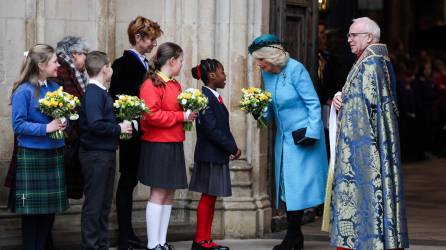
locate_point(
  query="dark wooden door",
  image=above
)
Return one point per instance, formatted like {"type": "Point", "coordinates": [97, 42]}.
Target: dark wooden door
{"type": "Point", "coordinates": [295, 23]}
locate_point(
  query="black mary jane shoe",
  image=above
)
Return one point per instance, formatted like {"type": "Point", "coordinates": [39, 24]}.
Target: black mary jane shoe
{"type": "Point", "coordinates": [217, 246]}
{"type": "Point", "coordinates": [199, 246]}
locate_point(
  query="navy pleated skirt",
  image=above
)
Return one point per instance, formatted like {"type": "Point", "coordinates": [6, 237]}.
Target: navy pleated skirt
{"type": "Point", "coordinates": [162, 165]}
{"type": "Point", "coordinates": [212, 179]}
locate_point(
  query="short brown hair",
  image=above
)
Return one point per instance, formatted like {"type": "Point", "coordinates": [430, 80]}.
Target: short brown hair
{"type": "Point", "coordinates": [95, 61]}
{"type": "Point", "coordinates": [144, 27]}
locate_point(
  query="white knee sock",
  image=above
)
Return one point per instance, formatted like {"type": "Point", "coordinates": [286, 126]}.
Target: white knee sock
{"type": "Point", "coordinates": [153, 220]}
{"type": "Point", "coordinates": [165, 217]}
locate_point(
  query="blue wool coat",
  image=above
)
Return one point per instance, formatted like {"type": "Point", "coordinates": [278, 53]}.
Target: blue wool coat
{"type": "Point", "coordinates": [295, 105]}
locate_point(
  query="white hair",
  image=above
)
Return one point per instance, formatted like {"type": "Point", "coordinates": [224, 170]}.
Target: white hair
{"type": "Point", "coordinates": [70, 44]}
{"type": "Point", "coordinates": [274, 54]}
{"type": "Point", "coordinates": [369, 26]}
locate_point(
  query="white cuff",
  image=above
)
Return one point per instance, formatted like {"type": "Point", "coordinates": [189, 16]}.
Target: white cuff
{"type": "Point", "coordinates": [135, 124]}
{"type": "Point", "coordinates": [186, 115]}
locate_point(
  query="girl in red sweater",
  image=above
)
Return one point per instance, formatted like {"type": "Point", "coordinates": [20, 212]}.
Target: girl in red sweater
{"type": "Point", "coordinates": [162, 165]}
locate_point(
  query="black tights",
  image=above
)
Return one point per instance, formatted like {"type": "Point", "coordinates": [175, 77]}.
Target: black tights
{"type": "Point", "coordinates": [36, 231]}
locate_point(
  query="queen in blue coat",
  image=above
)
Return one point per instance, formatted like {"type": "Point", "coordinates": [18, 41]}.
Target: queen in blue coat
{"type": "Point", "coordinates": [301, 167]}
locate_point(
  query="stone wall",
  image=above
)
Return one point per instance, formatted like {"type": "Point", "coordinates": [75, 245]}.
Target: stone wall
{"type": "Point", "coordinates": [219, 29]}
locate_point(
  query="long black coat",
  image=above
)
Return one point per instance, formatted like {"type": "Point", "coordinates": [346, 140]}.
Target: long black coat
{"type": "Point", "coordinates": [128, 75]}
{"type": "Point", "coordinates": [215, 142]}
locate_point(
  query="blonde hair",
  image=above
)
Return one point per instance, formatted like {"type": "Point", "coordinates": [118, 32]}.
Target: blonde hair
{"type": "Point", "coordinates": [369, 26]}
{"type": "Point", "coordinates": [39, 53]}
{"type": "Point", "coordinates": [274, 54]}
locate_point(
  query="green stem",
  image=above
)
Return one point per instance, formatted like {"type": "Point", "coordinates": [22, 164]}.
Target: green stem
{"type": "Point", "coordinates": [125, 136]}
{"type": "Point", "coordinates": [188, 126]}
{"type": "Point", "coordinates": [261, 123]}
{"type": "Point", "coordinates": [57, 135]}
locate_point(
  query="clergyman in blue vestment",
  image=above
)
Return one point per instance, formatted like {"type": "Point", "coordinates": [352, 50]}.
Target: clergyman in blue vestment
{"type": "Point", "coordinates": [367, 205]}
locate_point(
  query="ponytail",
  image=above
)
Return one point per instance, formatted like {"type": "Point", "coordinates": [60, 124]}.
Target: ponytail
{"type": "Point", "coordinates": [29, 72]}
{"type": "Point", "coordinates": [163, 54]}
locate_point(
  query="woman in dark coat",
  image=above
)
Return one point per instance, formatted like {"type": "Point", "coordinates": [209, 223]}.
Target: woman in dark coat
{"type": "Point", "coordinates": [71, 75]}
{"type": "Point", "coordinates": [129, 72]}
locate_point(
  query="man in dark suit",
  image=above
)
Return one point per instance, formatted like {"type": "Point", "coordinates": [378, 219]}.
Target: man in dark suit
{"type": "Point", "coordinates": [129, 72]}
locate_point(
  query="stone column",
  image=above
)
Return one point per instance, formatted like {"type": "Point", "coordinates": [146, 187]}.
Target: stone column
{"type": "Point", "coordinates": [220, 29]}
{"type": "Point", "coordinates": [223, 30]}
{"type": "Point", "coordinates": [14, 40]}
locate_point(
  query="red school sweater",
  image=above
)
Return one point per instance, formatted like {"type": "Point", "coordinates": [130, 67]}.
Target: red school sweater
{"type": "Point", "coordinates": [165, 120]}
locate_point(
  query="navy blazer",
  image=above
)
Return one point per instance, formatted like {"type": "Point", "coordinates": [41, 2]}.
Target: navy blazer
{"type": "Point", "coordinates": [128, 75]}
{"type": "Point", "coordinates": [215, 142]}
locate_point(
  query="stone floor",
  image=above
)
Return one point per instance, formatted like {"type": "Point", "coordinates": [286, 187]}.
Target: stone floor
{"type": "Point", "coordinates": [426, 210]}
{"type": "Point", "coordinates": [267, 244]}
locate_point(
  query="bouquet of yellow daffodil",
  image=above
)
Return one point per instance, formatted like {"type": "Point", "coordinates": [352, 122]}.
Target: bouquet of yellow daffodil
{"type": "Point", "coordinates": [129, 108]}
{"type": "Point", "coordinates": [59, 105]}
{"type": "Point", "coordinates": [192, 100]}
{"type": "Point", "coordinates": [255, 101]}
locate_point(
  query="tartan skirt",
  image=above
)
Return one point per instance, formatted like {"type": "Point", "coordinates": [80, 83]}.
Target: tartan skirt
{"type": "Point", "coordinates": [40, 181]}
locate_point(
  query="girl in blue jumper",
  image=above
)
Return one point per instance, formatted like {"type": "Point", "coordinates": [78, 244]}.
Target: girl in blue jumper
{"type": "Point", "coordinates": [215, 147]}
{"type": "Point", "coordinates": [39, 178]}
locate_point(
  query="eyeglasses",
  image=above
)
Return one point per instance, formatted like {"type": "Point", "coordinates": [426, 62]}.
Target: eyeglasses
{"type": "Point", "coordinates": [81, 53]}
{"type": "Point", "coordinates": [353, 35]}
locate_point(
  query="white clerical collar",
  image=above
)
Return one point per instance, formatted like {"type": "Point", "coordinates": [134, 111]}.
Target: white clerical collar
{"type": "Point", "coordinates": [213, 92]}
{"type": "Point", "coordinates": [143, 59]}
{"type": "Point", "coordinates": [97, 83]}
{"type": "Point", "coordinates": [42, 83]}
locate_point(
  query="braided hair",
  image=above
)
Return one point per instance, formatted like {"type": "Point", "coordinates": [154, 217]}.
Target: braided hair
{"type": "Point", "coordinates": [202, 70]}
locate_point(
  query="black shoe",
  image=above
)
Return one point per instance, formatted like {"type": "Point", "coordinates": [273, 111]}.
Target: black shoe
{"type": "Point", "coordinates": [294, 239]}
{"type": "Point", "coordinates": [298, 245]}
{"type": "Point", "coordinates": [136, 243]}
{"type": "Point", "coordinates": [199, 246]}
{"type": "Point", "coordinates": [168, 247]}
{"type": "Point", "coordinates": [219, 247]}
{"type": "Point", "coordinates": [157, 247]}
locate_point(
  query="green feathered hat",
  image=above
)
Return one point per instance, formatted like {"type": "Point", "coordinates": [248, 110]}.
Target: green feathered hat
{"type": "Point", "coordinates": [263, 41]}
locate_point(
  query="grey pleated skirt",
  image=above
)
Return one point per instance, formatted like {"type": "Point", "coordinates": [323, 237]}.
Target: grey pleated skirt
{"type": "Point", "coordinates": [212, 179]}
{"type": "Point", "coordinates": [162, 165]}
